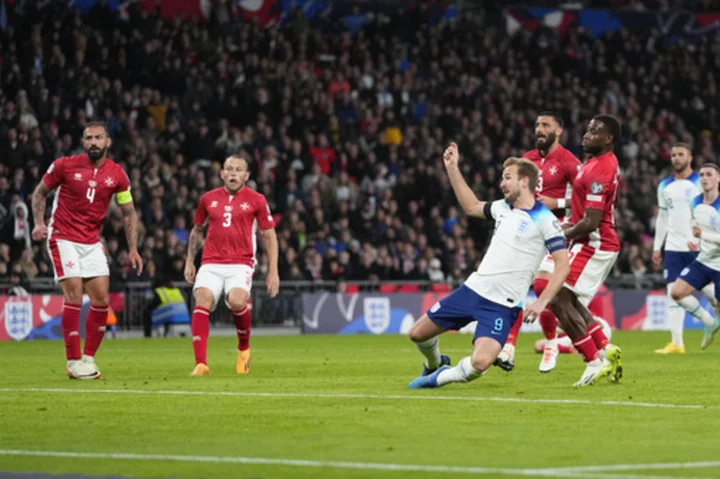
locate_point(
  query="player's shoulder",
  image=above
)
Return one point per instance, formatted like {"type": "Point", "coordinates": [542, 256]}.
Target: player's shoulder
{"type": "Point", "coordinates": [566, 155]}
{"type": "Point", "coordinates": [665, 182]}
{"type": "Point", "coordinates": [214, 193]}
{"type": "Point", "coordinates": [696, 201]}
{"type": "Point", "coordinates": [253, 195]}
{"type": "Point", "coordinates": [540, 213]}
{"type": "Point", "coordinates": [67, 161]}
{"type": "Point", "coordinates": [694, 178]}
{"type": "Point", "coordinates": [533, 155]}
{"type": "Point", "coordinates": [115, 167]}
{"type": "Point", "coordinates": [609, 161]}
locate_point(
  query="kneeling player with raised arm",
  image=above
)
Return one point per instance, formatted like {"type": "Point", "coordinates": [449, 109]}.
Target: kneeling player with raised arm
{"type": "Point", "coordinates": [525, 230]}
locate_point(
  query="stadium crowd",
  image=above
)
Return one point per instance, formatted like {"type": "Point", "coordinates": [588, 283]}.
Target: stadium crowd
{"type": "Point", "coordinates": [344, 123]}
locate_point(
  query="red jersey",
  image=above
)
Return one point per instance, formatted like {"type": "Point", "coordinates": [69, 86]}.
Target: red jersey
{"type": "Point", "coordinates": [596, 187]}
{"type": "Point", "coordinates": [557, 174]}
{"type": "Point", "coordinates": [233, 221]}
{"type": "Point", "coordinates": [82, 197]}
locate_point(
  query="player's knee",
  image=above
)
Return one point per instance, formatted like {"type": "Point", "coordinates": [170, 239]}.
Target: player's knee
{"type": "Point", "coordinates": [237, 302]}
{"type": "Point", "coordinates": [204, 298]}
{"type": "Point", "coordinates": [73, 292]}
{"type": "Point", "coordinates": [102, 299]}
{"type": "Point", "coordinates": [481, 362]}
{"type": "Point", "coordinates": [677, 293]}
{"type": "Point", "coordinates": [415, 334]}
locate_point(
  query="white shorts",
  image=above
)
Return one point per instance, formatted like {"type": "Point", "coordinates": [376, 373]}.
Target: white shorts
{"type": "Point", "coordinates": [224, 277]}
{"type": "Point", "coordinates": [547, 265]}
{"type": "Point", "coordinates": [77, 260]}
{"type": "Point", "coordinates": [589, 268]}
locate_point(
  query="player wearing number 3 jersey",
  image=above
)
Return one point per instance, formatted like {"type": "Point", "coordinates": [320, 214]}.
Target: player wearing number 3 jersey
{"type": "Point", "coordinates": [232, 216]}
{"type": "Point", "coordinates": [85, 184]}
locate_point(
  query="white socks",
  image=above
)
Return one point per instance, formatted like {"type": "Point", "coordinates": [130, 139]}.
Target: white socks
{"type": "Point", "coordinates": [461, 373]}
{"type": "Point", "coordinates": [676, 320]}
{"type": "Point", "coordinates": [692, 306]}
{"type": "Point", "coordinates": [431, 351]}
{"type": "Point", "coordinates": [709, 292]}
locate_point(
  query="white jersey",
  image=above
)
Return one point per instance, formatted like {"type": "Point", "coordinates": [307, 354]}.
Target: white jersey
{"type": "Point", "coordinates": [707, 218]}
{"type": "Point", "coordinates": [521, 240]}
{"type": "Point", "coordinates": [673, 225]}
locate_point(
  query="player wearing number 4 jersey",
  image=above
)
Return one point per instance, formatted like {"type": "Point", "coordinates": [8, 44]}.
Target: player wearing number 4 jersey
{"type": "Point", "coordinates": [231, 216]}
{"type": "Point", "coordinates": [525, 230]}
{"type": "Point", "coordinates": [595, 247]}
{"type": "Point", "coordinates": [85, 184]}
{"type": "Point", "coordinates": [558, 168]}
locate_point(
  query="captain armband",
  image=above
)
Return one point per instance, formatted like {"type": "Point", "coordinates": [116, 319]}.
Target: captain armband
{"type": "Point", "coordinates": [124, 197]}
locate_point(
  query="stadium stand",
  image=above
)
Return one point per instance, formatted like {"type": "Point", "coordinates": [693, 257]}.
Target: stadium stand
{"type": "Point", "coordinates": [344, 121]}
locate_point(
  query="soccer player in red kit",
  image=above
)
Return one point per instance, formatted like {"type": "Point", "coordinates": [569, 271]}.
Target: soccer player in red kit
{"type": "Point", "coordinates": [558, 168]}
{"type": "Point", "coordinates": [231, 215]}
{"type": "Point", "coordinates": [594, 250]}
{"type": "Point", "coordinates": [85, 186]}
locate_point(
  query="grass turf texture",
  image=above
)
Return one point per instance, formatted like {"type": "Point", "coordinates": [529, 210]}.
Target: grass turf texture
{"type": "Point", "coordinates": [519, 433]}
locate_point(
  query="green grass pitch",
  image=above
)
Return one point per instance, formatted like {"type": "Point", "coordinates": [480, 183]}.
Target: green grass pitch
{"type": "Point", "coordinates": [338, 406]}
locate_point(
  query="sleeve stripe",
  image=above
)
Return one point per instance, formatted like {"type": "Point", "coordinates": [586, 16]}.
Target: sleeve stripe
{"type": "Point", "coordinates": [594, 198]}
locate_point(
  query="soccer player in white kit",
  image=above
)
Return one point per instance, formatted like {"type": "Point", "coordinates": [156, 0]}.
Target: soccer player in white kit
{"type": "Point", "coordinates": [232, 216]}
{"type": "Point", "coordinates": [673, 228]}
{"type": "Point", "coordinates": [525, 230]}
{"type": "Point", "coordinates": [706, 226]}
{"type": "Point", "coordinates": [84, 186]}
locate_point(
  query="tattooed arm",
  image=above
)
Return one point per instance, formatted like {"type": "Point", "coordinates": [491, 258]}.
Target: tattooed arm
{"type": "Point", "coordinates": [131, 233]}
{"type": "Point", "coordinates": [195, 242]}
{"type": "Point", "coordinates": [39, 200]}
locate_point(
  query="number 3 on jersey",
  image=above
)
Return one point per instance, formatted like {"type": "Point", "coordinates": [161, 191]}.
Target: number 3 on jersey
{"type": "Point", "coordinates": [539, 186]}
{"type": "Point", "coordinates": [228, 220]}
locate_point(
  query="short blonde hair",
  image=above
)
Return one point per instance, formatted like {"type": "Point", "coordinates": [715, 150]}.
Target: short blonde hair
{"type": "Point", "coordinates": [238, 156]}
{"type": "Point", "coordinates": [526, 169]}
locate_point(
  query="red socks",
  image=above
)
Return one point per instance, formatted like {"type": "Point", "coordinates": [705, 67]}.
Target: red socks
{"type": "Point", "coordinates": [200, 331]}
{"type": "Point", "coordinates": [513, 334]}
{"type": "Point", "coordinates": [95, 328]}
{"type": "Point", "coordinates": [242, 326]}
{"type": "Point", "coordinates": [586, 347]}
{"type": "Point", "coordinates": [547, 319]}
{"type": "Point", "coordinates": [598, 336]}
{"type": "Point", "coordinates": [70, 322]}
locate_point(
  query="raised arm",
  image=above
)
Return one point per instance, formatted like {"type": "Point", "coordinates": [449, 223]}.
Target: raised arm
{"type": "Point", "coordinates": [39, 202]}
{"type": "Point", "coordinates": [466, 197]}
{"type": "Point", "coordinates": [270, 241]}
{"type": "Point", "coordinates": [131, 233]}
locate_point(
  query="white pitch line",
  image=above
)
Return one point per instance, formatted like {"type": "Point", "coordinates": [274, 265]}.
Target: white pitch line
{"type": "Point", "coordinates": [262, 460]}
{"type": "Point", "coordinates": [561, 472]}
{"type": "Point", "coordinates": [643, 467]}
{"type": "Point", "coordinates": [404, 397]}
